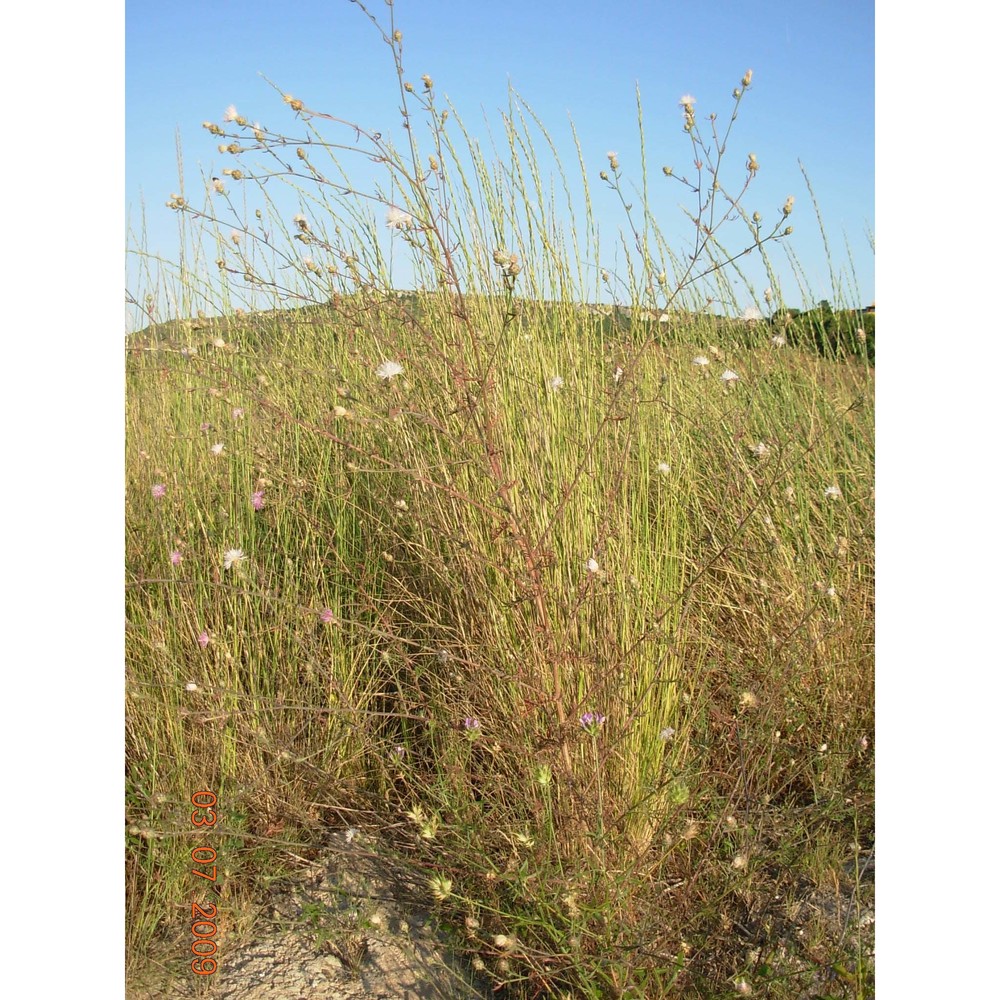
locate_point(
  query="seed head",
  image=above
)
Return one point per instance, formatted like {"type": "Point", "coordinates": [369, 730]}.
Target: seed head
{"type": "Point", "coordinates": [388, 370]}
{"type": "Point", "coordinates": [395, 218]}
{"type": "Point", "coordinates": [233, 558]}
{"type": "Point", "coordinates": [440, 887]}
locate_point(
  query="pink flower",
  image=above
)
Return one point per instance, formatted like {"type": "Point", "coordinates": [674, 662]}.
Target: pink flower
{"type": "Point", "coordinates": [175, 558]}
{"type": "Point", "coordinates": [203, 639]}
{"type": "Point", "coordinates": [326, 616]}
{"type": "Point", "coordinates": [159, 491]}
{"type": "Point", "coordinates": [258, 500]}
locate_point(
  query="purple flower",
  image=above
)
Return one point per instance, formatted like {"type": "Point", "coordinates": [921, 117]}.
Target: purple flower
{"type": "Point", "coordinates": [326, 616]}
{"type": "Point", "coordinates": [175, 558]}
{"type": "Point", "coordinates": [469, 723]}
{"type": "Point", "coordinates": [159, 491]}
{"type": "Point", "coordinates": [203, 639]}
{"type": "Point", "coordinates": [591, 720]}
{"type": "Point", "coordinates": [258, 500]}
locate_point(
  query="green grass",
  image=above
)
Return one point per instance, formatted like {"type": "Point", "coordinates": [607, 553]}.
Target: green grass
{"type": "Point", "coordinates": [421, 558]}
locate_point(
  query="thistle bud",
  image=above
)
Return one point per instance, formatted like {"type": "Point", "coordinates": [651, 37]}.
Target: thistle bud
{"type": "Point", "coordinates": [752, 165]}
{"type": "Point", "coordinates": [756, 218]}
{"type": "Point", "coordinates": [604, 175]}
{"type": "Point", "coordinates": [747, 77]}
{"type": "Point", "coordinates": [428, 82]}
{"type": "Point", "coordinates": [408, 87]}
{"type": "Point", "coordinates": [397, 36]}
{"type": "Point", "coordinates": [788, 231]}
{"type": "Point", "coordinates": [787, 210]}
{"type": "Point", "coordinates": [668, 171]}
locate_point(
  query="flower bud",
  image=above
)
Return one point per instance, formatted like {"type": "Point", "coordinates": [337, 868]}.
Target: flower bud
{"type": "Point", "coordinates": [747, 77]}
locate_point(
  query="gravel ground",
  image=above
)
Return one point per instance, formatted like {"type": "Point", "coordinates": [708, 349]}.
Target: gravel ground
{"type": "Point", "coordinates": [358, 927]}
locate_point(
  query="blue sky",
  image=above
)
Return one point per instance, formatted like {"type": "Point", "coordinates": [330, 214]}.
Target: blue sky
{"type": "Point", "coordinates": [812, 98]}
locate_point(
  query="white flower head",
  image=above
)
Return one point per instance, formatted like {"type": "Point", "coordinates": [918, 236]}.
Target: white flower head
{"type": "Point", "coordinates": [233, 557]}
{"type": "Point", "coordinates": [662, 468]}
{"type": "Point", "coordinates": [760, 449]}
{"type": "Point", "coordinates": [700, 360]}
{"type": "Point", "coordinates": [778, 340]}
{"type": "Point", "coordinates": [556, 382]}
{"type": "Point", "coordinates": [218, 448]}
{"type": "Point", "coordinates": [593, 566]}
{"type": "Point", "coordinates": [833, 492]}
{"type": "Point", "coordinates": [388, 370]}
{"type": "Point", "coordinates": [729, 375]}
{"type": "Point", "coordinates": [619, 374]}
{"type": "Point", "coordinates": [396, 218]}
{"type": "Point", "coordinates": [687, 101]}
{"type": "Point", "coordinates": [751, 314]}
{"type": "Point", "coordinates": [231, 114]}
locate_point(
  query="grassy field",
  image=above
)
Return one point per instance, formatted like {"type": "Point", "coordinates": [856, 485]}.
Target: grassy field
{"type": "Point", "coordinates": [571, 605]}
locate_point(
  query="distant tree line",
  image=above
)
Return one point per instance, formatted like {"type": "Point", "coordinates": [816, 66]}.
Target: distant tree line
{"type": "Point", "coordinates": [828, 331]}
